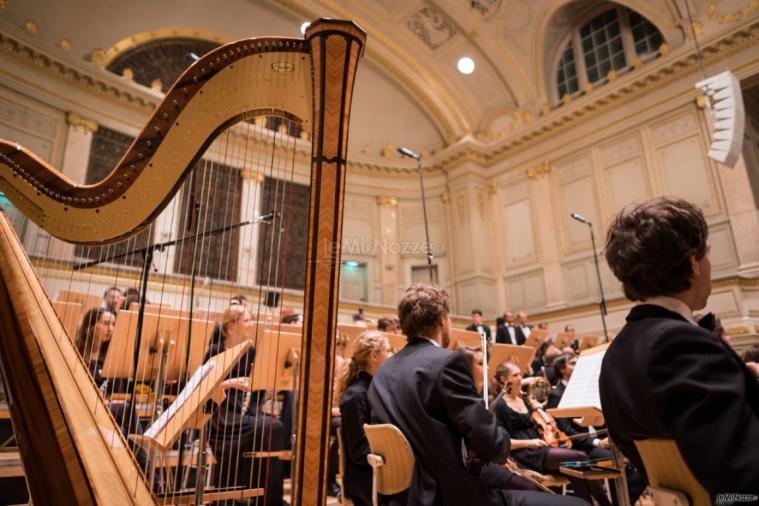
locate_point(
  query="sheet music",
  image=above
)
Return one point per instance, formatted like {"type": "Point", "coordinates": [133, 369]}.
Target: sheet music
{"type": "Point", "coordinates": [185, 394]}
{"type": "Point", "coordinates": [582, 389]}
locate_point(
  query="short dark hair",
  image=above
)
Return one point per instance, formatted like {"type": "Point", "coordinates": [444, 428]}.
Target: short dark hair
{"type": "Point", "coordinates": [386, 322]}
{"type": "Point", "coordinates": [648, 246]}
{"type": "Point", "coordinates": [421, 308]}
{"type": "Point", "coordinates": [477, 311]}
{"type": "Point", "coordinates": [751, 354]}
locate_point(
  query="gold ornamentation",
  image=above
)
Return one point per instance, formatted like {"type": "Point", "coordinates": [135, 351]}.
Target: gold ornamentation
{"type": "Point", "coordinates": [492, 189]}
{"type": "Point", "coordinates": [536, 171]}
{"type": "Point", "coordinates": [98, 57]}
{"type": "Point", "coordinates": [743, 12]}
{"type": "Point", "coordinates": [76, 121]}
{"type": "Point", "coordinates": [696, 27]}
{"type": "Point", "coordinates": [137, 39]}
{"type": "Point", "coordinates": [736, 330]}
{"type": "Point", "coordinates": [30, 27]}
{"type": "Point", "coordinates": [387, 151]}
{"type": "Point", "coordinates": [65, 45]}
{"type": "Point", "coordinates": [545, 109]}
{"type": "Point", "coordinates": [526, 115]}
{"type": "Point", "coordinates": [664, 49]}
{"type": "Point", "coordinates": [2, 6]}
{"type": "Point", "coordinates": [386, 201]}
{"type": "Point", "coordinates": [701, 101]}
{"type": "Point", "coordinates": [445, 197]}
{"type": "Point", "coordinates": [637, 62]}
{"type": "Point", "coordinates": [157, 85]}
{"type": "Point", "coordinates": [587, 87]}
{"type": "Point", "coordinates": [567, 98]}
{"type": "Point", "coordinates": [127, 73]}
{"type": "Point", "coordinates": [251, 175]}
{"type": "Point", "coordinates": [612, 76]}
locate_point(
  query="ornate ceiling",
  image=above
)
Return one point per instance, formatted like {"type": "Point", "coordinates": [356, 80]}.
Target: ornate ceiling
{"type": "Point", "coordinates": [408, 90]}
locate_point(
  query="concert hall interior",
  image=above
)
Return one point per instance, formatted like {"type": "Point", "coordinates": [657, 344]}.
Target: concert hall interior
{"type": "Point", "coordinates": [208, 206]}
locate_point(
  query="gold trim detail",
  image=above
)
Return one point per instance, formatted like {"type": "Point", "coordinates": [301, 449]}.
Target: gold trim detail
{"type": "Point", "coordinates": [30, 27]}
{"type": "Point", "coordinates": [65, 45]}
{"type": "Point", "coordinates": [445, 197]}
{"type": "Point", "coordinates": [536, 171]}
{"type": "Point", "coordinates": [736, 330]}
{"type": "Point", "coordinates": [737, 15]}
{"type": "Point", "coordinates": [387, 201]}
{"type": "Point", "coordinates": [251, 175]}
{"type": "Point", "coordinates": [106, 56]}
{"type": "Point", "coordinates": [76, 121]}
{"type": "Point", "coordinates": [701, 101]}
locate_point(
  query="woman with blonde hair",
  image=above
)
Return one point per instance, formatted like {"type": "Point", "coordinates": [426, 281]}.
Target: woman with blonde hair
{"type": "Point", "coordinates": [238, 426]}
{"type": "Point", "coordinates": [370, 352]}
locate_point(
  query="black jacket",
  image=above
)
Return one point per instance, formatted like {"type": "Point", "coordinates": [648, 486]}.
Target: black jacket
{"type": "Point", "coordinates": [502, 335]}
{"type": "Point", "coordinates": [663, 377]}
{"type": "Point", "coordinates": [354, 413]}
{"type": "Point", "coordinates": [428, 393]}
{"type": "Point", "coordinates": [485, 329]}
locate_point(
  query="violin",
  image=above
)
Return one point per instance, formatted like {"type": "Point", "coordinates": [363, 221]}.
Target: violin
{"type": "Point", "coordinates": [548, 430]}
{"type": "Point", "coordinates": [545, 424]}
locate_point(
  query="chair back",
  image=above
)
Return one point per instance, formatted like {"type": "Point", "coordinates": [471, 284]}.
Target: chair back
{"type": "Point", "coordinates": [667, 472]}
{"type": "Point", "coordinates": [387, 441]}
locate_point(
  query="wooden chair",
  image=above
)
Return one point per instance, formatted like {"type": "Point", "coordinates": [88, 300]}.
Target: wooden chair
{"type": "Point", "coordinates": [392, 460]}
{"type": "Point", "coordinates": [341, 468]}
{"type": "Point", "coordinates": [671, 482]}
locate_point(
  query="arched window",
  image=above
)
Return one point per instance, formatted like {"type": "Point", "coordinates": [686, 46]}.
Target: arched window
{"type": "Point", "coordinates": [613, 39]}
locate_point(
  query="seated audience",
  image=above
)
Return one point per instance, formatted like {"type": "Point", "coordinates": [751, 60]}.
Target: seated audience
{"type": "Point", "coordinates": [370, 352]}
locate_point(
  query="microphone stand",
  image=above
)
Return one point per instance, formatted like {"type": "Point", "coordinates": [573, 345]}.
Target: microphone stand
{"type": "Point", "coordinates": [602, 300]}
{"type": "Point", "coordinates": [407, 152]}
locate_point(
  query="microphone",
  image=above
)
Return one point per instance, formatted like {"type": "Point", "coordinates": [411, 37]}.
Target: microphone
{"type": "Point", "coordinates": [407, 152]}
{"type": "Point", "coordinates": [580, 218]}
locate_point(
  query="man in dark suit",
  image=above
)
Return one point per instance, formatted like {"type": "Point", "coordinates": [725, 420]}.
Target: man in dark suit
{"type": "Point", "coordinates": [478, 326]}
{"type": "Point", "coordinates": [522, 328]}
{"type": "Point", "coordinates": [506, 333]}
{"type": "Point", "coordinates": [427, 391]}
{"type": "Point", "coordinates": [664, 376]}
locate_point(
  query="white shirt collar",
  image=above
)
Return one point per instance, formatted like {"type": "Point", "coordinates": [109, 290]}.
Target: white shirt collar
{"type": "Point", "coordinates": [674, 305]}
{"type": "Point", "coordinates": [430, 340]}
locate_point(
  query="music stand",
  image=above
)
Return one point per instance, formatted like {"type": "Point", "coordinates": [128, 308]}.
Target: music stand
{"type": "Point", "coordinates": [468, 338]}
{"type": "Point", "coordinates": [563, 339]}
{"type": "Point", "coordinates": [69, 313]}
{"type": "Point", "coordinates": [582, 400]}
{"type": "Point", "coordinates": [397, 341]}
{"type": "Point", "coordinates": [588, 342]}
{"type": "Point", "coordinates": [277, 360]}
{"type": "Point", "coordinates": [520, 355]}
{"type": "Point", "coordinates": [536, 338]}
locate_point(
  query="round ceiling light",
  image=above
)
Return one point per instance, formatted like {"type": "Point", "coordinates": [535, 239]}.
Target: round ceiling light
{"type": "Point", "coordinates": [465, 65]}
{"type": "Point", "coordinates": [304, 27]}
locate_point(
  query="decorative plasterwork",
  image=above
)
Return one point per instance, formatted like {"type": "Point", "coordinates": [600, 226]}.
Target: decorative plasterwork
{"type": "Point", "coordinates": [30, 27]}
{"type": "Point", "coordinates": [386, 201]}
{"type": "Point", "coordinates": [713, 11]}
{"type": "Point", "coordinates": [485, 7]}
{"type": "Point", "coordinates": [431, 26]}
{"type": "Point", "coordinates": [76, 121]}
{"type": "Point", "coordinates": [539, 170]}
{"type": "Point", "coordinates": [102, 57]}
{"type": "Point", "coordinates": [92, 83]}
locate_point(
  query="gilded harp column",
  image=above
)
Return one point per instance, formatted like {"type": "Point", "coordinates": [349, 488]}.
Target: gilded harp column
{"type": "Point", "coordinates": [336, 47]}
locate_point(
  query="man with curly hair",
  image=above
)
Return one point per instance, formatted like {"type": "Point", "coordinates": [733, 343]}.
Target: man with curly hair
{"type": "Point", "coordinates": [664, 376]}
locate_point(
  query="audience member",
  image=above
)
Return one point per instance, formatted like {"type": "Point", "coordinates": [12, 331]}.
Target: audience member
{"type": "Point", "coordinates": [478, 326]}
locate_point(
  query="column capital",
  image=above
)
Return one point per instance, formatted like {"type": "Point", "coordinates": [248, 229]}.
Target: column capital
{"type": "Point", "coordinates": [539, 170]}
{"type": "Point", "coordinates": [251, 175]}
{"type": "Point", "coordinates": [386, 201]}
{"type": "Point", "coordinates": [76, 121]}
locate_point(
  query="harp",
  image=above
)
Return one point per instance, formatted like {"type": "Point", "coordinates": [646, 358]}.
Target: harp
{"type": "Point", "coordinates": [73, 450]}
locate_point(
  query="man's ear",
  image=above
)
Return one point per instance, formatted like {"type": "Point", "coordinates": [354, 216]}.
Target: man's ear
{"type": "Point", "coordinates": [694, 265]}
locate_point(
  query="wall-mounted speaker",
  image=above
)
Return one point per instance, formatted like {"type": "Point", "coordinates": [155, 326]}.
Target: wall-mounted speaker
{"type": "Point", "coordinates": [723, 92]}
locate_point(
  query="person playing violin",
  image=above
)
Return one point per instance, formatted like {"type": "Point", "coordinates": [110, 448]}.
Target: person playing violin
{"type": "Point", "coordinates": [514, 413]}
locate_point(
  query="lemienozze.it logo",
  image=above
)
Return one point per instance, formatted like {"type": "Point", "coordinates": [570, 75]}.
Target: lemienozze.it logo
{"type": "Point", "coordinates": [725, 499]}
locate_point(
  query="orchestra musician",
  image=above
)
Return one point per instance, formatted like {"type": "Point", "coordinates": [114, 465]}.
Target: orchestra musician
{"type": "Point", "coordinates": [427, 392]}
{"type": "Point", "coordinates": [664, 376]}
{"type": "Point", "coordinates": [237, 425]}
{"type": "Point", "coordinates": [370, 352]}
{"type": "Point", "coordinates": [531, 449]}
{"type": "Point", "coordinates": [93, 337]}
